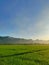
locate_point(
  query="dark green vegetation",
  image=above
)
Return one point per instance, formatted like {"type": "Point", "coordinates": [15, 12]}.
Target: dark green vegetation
{"type": "Point", "coordinates": [24, 54]}
{"type": "Point", "coordinates": [7, 40]}
{"type": "Point", "coordinates": [11, 40]}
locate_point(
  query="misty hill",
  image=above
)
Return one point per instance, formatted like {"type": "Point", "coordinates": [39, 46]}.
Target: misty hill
{"type": "Point", "coordinates": [12, 40]}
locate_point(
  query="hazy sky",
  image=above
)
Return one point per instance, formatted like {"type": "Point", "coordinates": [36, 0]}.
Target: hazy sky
{"type": "Point", "coordinates": [24, 18]}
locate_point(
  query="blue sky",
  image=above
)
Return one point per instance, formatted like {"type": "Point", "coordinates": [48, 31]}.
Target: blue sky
{"type": "Point", "coordinates": [24, 18]}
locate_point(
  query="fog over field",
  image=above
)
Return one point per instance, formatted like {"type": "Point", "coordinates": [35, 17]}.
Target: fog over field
{"type": "Point", "coordinates": [11, 40]}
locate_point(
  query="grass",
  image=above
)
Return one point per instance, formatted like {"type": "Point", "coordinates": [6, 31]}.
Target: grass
{"type": "Point", "coordinates": [24, 54]}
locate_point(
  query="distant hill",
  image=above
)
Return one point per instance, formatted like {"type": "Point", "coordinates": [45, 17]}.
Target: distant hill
{"type": "Point", "coordinates": [12, 40]}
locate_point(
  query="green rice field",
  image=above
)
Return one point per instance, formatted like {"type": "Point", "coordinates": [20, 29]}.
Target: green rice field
{"type": "Point", "coordinates": [24, 54]}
